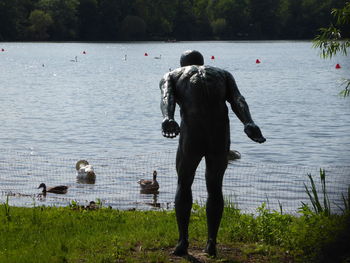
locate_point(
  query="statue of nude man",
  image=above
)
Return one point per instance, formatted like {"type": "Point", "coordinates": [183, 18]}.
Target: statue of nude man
{"type": "Point", "coordinates": [201, 92]}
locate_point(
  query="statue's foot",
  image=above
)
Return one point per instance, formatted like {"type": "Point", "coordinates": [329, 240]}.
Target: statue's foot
{"type": "Point", "coordinates": [210, 248]}
{"type": "Point", "coordinates": [181, 248]}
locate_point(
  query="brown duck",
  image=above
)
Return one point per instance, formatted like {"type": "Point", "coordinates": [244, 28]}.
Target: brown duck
{"type": "Point", "coordinates": [61, 189]}
{"type": "Point", "coordinates": [149, 185]}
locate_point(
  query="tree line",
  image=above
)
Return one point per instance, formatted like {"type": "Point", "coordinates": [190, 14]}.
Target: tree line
{"type": "Point", "coordinates": [124, 20]}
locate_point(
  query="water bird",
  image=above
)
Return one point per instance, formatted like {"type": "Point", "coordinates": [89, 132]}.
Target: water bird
{"type": "Point", "coordinates": [149, 186]}
{"type": "Point", "coordinates": [74, 60]}
{"type": "Point", "coordinates": [85, 171]}
{"type": "Point", "coordinates": [160, 56]}
{"type": "Point", "coordinates": [233, 155]}
{"type": "Point", "coordinates": [125, 57]}
{"type": "Point", "coordinates": [60, 189]}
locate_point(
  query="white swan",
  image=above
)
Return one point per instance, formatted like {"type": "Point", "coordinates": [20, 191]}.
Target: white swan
{"type": "Point", "coordinates": [85, 172]}
{"type": "Point", "coordinates": [74, 60]}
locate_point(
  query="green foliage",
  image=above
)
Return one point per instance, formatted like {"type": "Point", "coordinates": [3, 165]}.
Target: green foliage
{"type": "Point", "coordinates": [218, 26]}
{"type": "Point", "coordinates": [163, 19]}
{"type": "Point", "coordinates": [133, 28]}
{"type": "Point", "coordinates": [49, 234]}
{"type": "Point", "coordinates": [314, 198]}
{"type": "Point", "coordinates": [7, 209]}
{"type": "Point", "coordinates": [40, 22]}
{"type": "Point", "coordinates": [346, 202]}
{"type": "Point", "coordinates": [335, 38]}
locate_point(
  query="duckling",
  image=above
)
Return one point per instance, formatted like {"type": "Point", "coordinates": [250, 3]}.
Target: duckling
{"type": "Point", "coordinates": [233, 155]}
{"type": "Point", "coordinates": [61, 189]}
{"type": "Point", "coordinates": [149, 186]}
{"type": "Point", "coordinates": [85, 171]}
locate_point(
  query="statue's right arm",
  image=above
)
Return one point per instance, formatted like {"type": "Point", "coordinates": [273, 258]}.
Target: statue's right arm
{"type": "Point", "coordinates": [237, 101]}
{"type": "Point", "coordinates": [170, 128]}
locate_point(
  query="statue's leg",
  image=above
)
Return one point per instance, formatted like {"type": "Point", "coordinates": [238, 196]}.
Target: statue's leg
{"type": "Point", "coordinates": [186, 165]}
{"type": "Point", "coordinates": [215, 168]}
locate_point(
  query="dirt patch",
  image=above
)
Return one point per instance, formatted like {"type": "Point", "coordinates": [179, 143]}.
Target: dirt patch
{"type": "Point", "coordinates": [230, 254]}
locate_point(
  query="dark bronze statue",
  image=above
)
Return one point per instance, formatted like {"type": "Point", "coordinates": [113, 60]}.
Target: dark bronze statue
{"type": "Point", "coordinates": [201, 92]}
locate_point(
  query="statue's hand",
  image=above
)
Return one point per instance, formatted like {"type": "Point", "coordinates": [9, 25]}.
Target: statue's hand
{"type": "Point", "coordinates": [254, 133]}
{"type": "Point", "coordinates": [170, 128]}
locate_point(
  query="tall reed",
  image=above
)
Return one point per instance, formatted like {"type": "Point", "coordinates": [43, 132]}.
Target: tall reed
{"type": "Point", "coordinates": [314, 196]}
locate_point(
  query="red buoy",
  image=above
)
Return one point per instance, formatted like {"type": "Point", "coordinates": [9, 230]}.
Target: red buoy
{"type": "Point", "coordinates": [257, 61]}
{"type": "Point", "coordinates": [212, 57]}
{"type": "Point", "coordinates": [84, 52]}
{"type": "Point", "coordinates": [2, 50]}
{"type": "Point", "coordinates": [337, 66]}
{"type": "Point", "coordinates": [146, 54]}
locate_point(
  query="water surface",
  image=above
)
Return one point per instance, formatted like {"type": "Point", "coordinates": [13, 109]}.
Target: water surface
{"type": "Point", "coordinates": [104, 107]}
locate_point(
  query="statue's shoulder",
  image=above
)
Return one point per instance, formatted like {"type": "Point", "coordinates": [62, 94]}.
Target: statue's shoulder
{"type": "Point", "coordinates": [216, 71]}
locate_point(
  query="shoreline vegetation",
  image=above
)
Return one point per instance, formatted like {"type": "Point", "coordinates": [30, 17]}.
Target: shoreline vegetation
{"type": "Point", "coordinates": [98, 234]}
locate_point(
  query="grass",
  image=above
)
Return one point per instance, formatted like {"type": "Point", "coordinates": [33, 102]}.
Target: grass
{"type": "Point", "coordinates": [73, 234]}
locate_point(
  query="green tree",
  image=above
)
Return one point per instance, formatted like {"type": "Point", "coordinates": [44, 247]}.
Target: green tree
{"type": "Point", "coordinates": [64, 15]}
{"type": "Point", "coordinates": [88, 20]}
{"type": "Point", "coordinates": [332, 41]}
{"type": "Point", "coordinates": [201, 10]}
{"type": "Point", "coordinates": [219, 26]}
{"type": "Point", "coordinates": [111, 16]}
{"type": "Point", "coordinates": [184, 21]}
{"type": "Point", "coordinates": [39, 23]}
{"type": "Point", "coordinates": [158, 16]}
{"type": "Point", "coordinates": [265, 20]}
{"type": "Point", "coordinates": [236, 16]}
{"type": "Point", "coordinates": [133, 28]}
{"type": "Point", "coordinates": [8, 20]}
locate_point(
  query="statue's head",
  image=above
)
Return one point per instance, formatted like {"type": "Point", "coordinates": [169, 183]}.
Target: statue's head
{"type": "Point", "coordinates": [191, 57]}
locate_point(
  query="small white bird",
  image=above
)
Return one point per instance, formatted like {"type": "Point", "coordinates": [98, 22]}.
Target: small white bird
{"type": "Point", "coordinates": [85, 172]}
{"type": "Point", "coordinates": [74, 60]}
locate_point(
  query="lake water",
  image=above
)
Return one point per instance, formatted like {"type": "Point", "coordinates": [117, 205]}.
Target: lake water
{"type": "Point", "coordinates": [104, 107]}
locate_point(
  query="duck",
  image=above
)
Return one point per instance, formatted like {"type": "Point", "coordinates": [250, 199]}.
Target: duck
{"type": "Point", "coordinates": [160, 56]}
{"type": "Point", "coordinates": [75, 59]}
{"type": "Point", "coordinates": [149, 186]}
{"type": "Point", "coordinates": [85, 172]}
{"type": "Point", "coordinates": [60, 189]}
{"type": "Point", "coordinates": [233, 155]}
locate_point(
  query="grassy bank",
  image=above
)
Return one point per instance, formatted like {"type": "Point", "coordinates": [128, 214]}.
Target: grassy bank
{"type": "Point", "coordinates": [73, 234]}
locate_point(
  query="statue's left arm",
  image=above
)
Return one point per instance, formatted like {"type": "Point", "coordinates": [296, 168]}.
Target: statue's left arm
{"type": "Point", "coordinates": [170, 128]}
{"type": "Point", "coordinates": [241, 109]}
